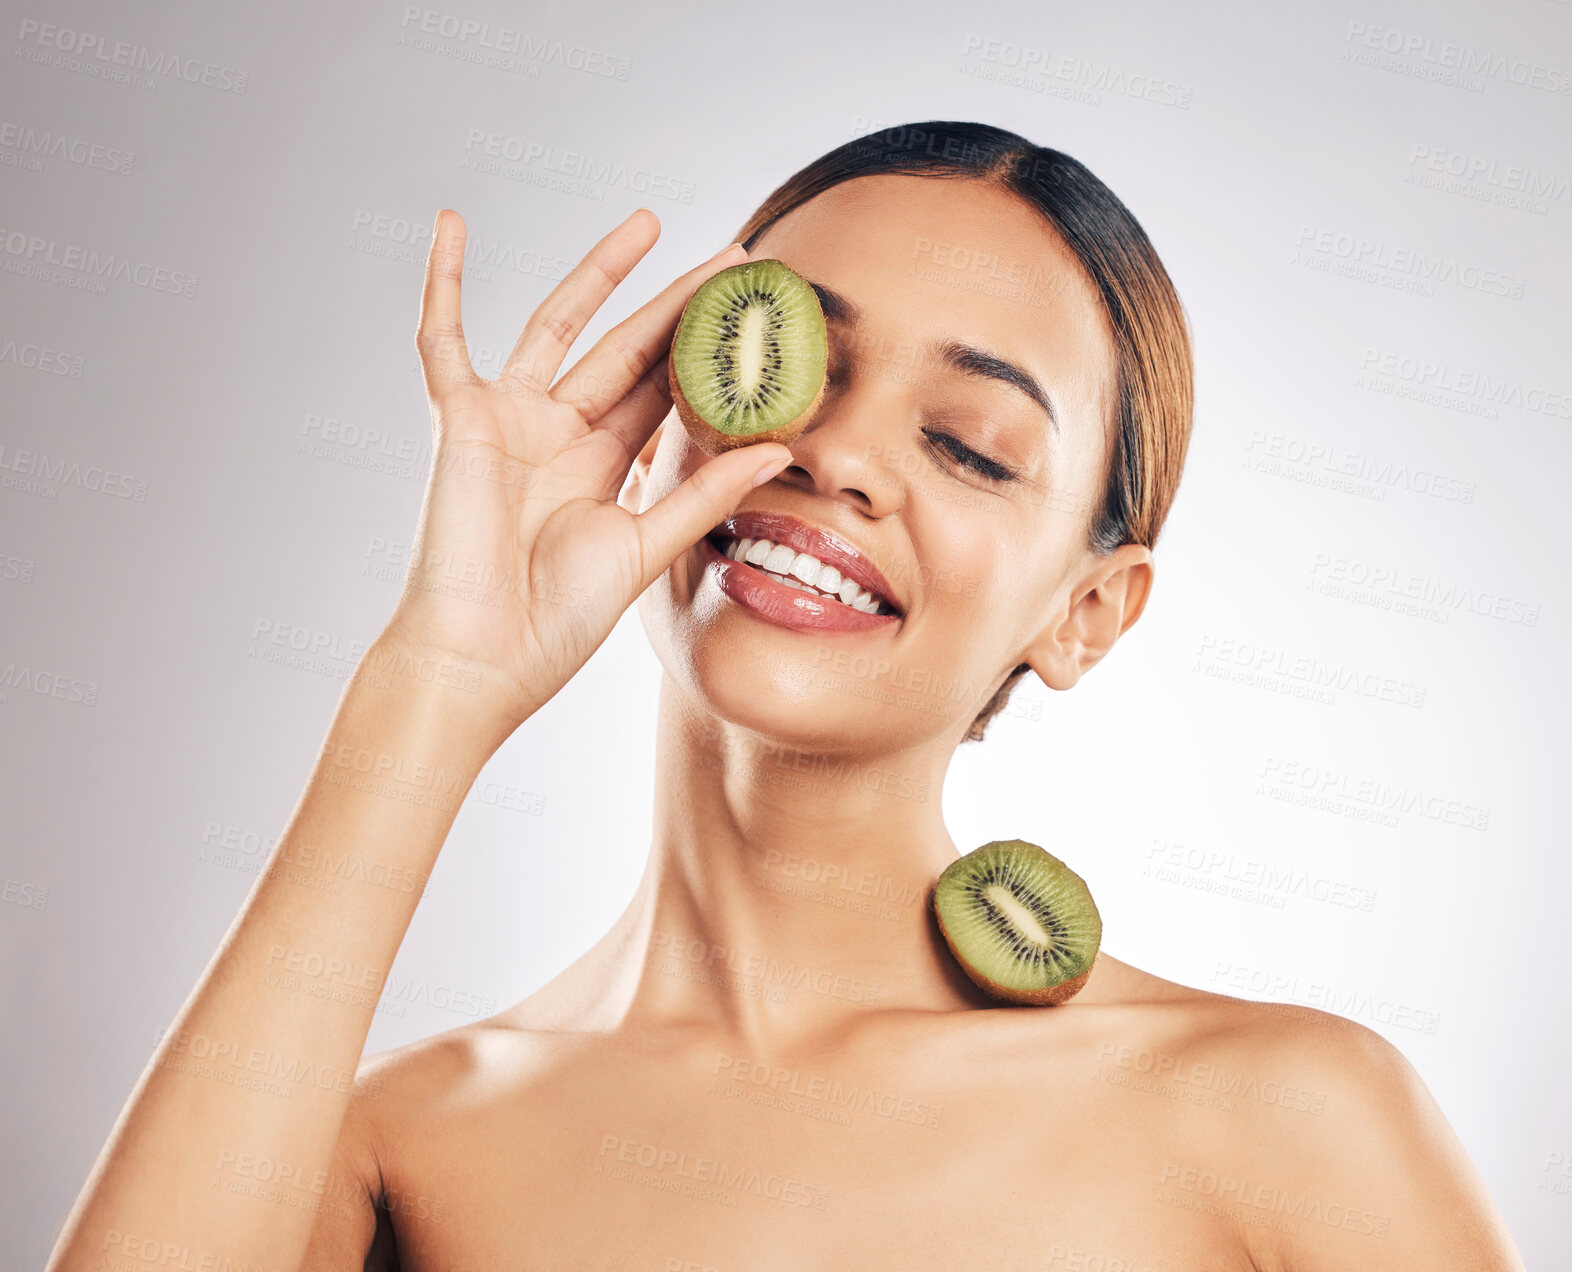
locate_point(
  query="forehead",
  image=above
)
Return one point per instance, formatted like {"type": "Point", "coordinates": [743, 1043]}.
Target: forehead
{"type": "Point", "coordinates": [928, 258]}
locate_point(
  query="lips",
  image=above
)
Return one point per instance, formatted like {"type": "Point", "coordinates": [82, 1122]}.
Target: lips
{"type": "Point", "coordinates": [826, 545]}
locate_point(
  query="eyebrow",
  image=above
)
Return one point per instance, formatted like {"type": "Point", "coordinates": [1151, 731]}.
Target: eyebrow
{"type": "Point", "coordinates": [962, 357]}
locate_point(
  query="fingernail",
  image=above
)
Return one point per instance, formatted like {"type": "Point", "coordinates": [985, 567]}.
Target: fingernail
{"type": "Point", "coordinates": [769, 470]}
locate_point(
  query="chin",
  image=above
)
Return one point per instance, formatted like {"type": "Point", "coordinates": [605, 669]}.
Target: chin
{"type": "Point", "coordinates": [788, 686]}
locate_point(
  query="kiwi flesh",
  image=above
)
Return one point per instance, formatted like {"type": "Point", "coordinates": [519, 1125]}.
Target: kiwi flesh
{"type": "Point", "coordinates": [1020, 922]}
{"type": "Point", "coordinates": [748, 358]}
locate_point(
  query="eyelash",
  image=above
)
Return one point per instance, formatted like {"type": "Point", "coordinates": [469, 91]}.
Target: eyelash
{"type": "Point", "coordinates": [947, 445]}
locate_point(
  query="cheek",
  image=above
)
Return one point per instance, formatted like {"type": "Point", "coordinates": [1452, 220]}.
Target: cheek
{"type": "Point", "coordinates": [675, 460]}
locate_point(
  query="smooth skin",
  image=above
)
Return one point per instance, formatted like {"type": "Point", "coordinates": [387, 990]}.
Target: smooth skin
{"type": "Point", "coordinates": [753, 1068]}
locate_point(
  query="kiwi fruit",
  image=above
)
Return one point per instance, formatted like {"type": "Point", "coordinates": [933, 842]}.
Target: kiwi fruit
{"type": "Point", "coordinates": [748, 358]}
{"type": "Point", "coordinates": [1019, 921]}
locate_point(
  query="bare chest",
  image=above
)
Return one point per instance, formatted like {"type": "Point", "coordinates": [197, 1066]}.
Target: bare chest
{"type": "Point", "coordinates": [729, 1164]}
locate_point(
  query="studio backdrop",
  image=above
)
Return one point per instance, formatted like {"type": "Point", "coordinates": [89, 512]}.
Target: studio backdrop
{"type": "Point", "coordinates": [1326, 768]}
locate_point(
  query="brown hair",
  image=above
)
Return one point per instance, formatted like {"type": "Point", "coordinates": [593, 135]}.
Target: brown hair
{"type": "Point", "coordinates": [1155, 372]}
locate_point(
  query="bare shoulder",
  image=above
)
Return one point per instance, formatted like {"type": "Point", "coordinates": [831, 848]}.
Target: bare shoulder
{"type": "Point", "coordinates": [377, 1193]}
{"type": "Point", "coordinates": [1336, 1153]}
{"type": "Point", "coordinates": [448, 1074]}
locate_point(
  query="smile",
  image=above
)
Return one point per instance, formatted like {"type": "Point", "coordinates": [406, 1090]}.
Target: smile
{"type": "Point", "coordinates": [784, 598]}
{"type": "Point", "coordinates": [805, 572]}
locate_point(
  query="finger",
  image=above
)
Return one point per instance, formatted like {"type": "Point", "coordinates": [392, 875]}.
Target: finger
{"type": "Point", "coordinates": [635, 415]}
{"type": "Point", "coordinates": [673, 524]}
{"type": "Point", "coordinates": [439, 337]}
{"type": "Point", "coordinates": [555, 325]}
{"type": "Point", "coordinates": [625, 354]}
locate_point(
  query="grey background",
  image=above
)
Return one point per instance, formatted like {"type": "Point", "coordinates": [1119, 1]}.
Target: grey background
{"type": "Point", "coordinates": [1263, 142]}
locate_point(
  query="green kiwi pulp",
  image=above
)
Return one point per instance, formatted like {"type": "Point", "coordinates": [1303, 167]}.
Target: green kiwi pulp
{"type": "Point", "coordinates": [749, 357]}
{"type": "Point", "coordinates": [1019, 921]}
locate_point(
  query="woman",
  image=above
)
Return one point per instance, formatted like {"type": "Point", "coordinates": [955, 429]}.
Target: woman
{"type": "Point", "coordinates": [741, 1074]}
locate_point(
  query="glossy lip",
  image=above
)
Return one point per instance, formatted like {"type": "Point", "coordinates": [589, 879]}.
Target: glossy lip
{"type": "Point", "coordinates": [756, 590]}
{"type": "Point", "coordinates": [826, 545]}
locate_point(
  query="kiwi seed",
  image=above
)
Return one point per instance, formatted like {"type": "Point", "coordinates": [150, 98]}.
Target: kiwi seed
{"type": "Point", "coordinates": [1019, 921]}
{"type": "Point", "coordinates": [748, 358]}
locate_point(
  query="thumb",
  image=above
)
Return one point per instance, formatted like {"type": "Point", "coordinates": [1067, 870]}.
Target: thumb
{"type": "Point", "coordinates": [673, 524]}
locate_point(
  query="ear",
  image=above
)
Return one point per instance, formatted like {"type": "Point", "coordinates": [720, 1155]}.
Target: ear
{"type": "Point", "coordinates": [632, 495]}
{"type": "Point", "coordinates": [1104, 603]}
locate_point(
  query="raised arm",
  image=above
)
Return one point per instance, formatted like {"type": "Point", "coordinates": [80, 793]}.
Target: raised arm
{"type": "Point", "coordinates": [525, 473]}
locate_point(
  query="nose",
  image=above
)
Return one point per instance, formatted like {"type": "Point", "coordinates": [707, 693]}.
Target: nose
{"type": "Point", "coordinates": [841, 454]}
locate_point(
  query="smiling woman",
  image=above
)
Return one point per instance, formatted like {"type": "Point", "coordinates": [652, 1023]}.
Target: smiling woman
{"type": "Point", "coordinates": [1154, 388]}
{"type": "Point", "coordinates": [771, 1060]}
{"type": "Point", "coordinates": [1153, 363]}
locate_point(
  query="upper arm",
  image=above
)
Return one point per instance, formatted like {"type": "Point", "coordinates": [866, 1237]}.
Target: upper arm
{"type": "Point", "coordinates": [1379, 1182]}
{"type": "Point", "coordinates": [351, 1233]}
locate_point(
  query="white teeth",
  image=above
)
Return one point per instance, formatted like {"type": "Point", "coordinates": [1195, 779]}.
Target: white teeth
{"type": "Point", "coordinates": [805, 568]}
{"type": "Point", "coordinates": [805, 572]}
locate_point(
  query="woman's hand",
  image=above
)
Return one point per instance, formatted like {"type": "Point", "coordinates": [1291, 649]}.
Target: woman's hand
{"type": "Point", "coordinates": [524, 561]}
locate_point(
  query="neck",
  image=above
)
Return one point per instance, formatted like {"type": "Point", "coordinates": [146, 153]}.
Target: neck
{"type": "Point", "coordinates": [786, 891]}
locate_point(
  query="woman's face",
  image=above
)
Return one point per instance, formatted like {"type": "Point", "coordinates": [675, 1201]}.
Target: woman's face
{"type": "Point", "coordinates": [963, 314]}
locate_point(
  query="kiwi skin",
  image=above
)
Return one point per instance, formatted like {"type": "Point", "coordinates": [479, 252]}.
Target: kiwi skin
{"type": "Point", "coordinates": [713, 441]}
{"type": "Point", "coordinates": [1052, 996]}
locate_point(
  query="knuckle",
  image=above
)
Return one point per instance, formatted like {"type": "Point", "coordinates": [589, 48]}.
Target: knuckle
{"type": "Point", "coordinates": [558, 327]}
{"type": "Point", "coordinates": [638, 361]}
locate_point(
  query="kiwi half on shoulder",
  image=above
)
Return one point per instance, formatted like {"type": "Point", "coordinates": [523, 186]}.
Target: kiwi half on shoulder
{"type": "Point", "coordinates": [749, 356]}
{"type": "Point", "coordinates": [1019, 921]}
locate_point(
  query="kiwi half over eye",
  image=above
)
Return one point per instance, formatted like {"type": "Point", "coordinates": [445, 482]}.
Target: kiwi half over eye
{"type": "Point", "coordinates": [1019, 921]}
{"type": "Point", "coordinates": [749, 356]}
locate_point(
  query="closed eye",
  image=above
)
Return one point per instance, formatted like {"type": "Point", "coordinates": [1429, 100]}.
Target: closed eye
{"type": "Point", "coordinates": [945, 445]}
{"type": "Point", "coordinates": [963, 454]}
